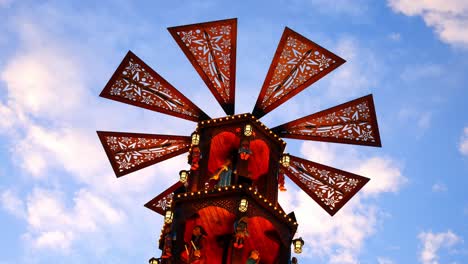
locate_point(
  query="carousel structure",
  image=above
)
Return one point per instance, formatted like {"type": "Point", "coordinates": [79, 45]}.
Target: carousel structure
{"type": "Point", "coordinates": [224, 209]}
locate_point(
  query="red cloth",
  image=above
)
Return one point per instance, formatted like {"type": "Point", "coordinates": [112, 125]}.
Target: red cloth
{"type": "Point", "coordinates": [259, 159]}
{"type": "Point", "coordinates": [224, 144]}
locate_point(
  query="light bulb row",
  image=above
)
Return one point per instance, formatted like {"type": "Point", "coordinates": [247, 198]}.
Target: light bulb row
{"type": "Point", "coordinates": [215, 120]}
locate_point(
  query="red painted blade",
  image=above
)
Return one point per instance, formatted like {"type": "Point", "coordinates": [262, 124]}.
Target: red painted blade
{"type": "Point", "coordinates": [354, 122]}
{"type": "Point", "coordinates": [331, 188]}
{"type": "Point", "coordinates": [298, 62]}
{"type": "Point", "coordinates": [211, 48]}
{"type": "Point", "coordinates": [163, 201]}
{"type": "Point", "coordinates": [129, 152]}
{"type": "Point", "coordinates": [135, 83]}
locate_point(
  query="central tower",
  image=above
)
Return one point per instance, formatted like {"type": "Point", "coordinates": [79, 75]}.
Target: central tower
{"type": "Point", "coordinates": [232, 182]}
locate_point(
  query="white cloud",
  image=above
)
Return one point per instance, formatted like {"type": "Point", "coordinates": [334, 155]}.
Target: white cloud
{"type": "Point", "coordinates": [31, 159]}
{"type": "Point", "coordinates": [447, 17]}
{"type": "Point", "coordinates": [463, 145]}
{"type": "Point", "coordinates": [382, 260]}
{"type": "Point", "coordinates": [65, 147]}
{"type": "Point", "coordinates": [44, 81]}
{"type": "Point", "coordinates": [51, 117]}
{"type": "Point", "coordinates": [384, 172]}
{"type": "Point", "coordinates": [61, 240]}
{"type": "Point", "coordinates": [80, 153]}
{"type": "Point", "coordinates": [439, 187]}
{"type": "Point", "coordinates": [357, 76]}
{"type": "Point", "coordinates": [341, 237]}
{"type": "Point", "coordinates": [320, 152]}
{"type": "Point", "coordinates": [433, 242]}
{"type": "Point", "coordinates": [385, 175]}
{"type": "Point", "coordinates": [53, 225]}
{"type": "Point", "coordinates": [345, 257]}
{"type": "Point", "coordinates": [45, 85]}
{"type": "Point", "coordinates": [338, 238]}
{"type": "Point", "coordinates": [7, 118]}
{"type": "Point", "coordinates": [12, 204]}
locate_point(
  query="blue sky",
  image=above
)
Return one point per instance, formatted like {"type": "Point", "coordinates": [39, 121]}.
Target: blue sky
{"type": "Point", "coordinates": [59, 199]}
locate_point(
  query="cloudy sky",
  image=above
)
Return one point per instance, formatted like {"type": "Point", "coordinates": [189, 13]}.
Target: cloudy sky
{"type": "Point", "coordinates": [60, 201]}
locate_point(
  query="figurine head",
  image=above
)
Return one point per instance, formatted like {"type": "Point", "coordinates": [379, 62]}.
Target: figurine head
{"type": "Point", "coordinates": [198, 231]}
{"type": "Point", "coordinates": [243, 219]}
{"type": "Point", "coordinates": [196, 150]}
{"type": "Point", "coordinates": [254, 254]}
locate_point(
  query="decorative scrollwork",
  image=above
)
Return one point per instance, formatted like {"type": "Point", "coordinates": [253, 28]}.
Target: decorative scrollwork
{"type": "Point", "coordinates": [129, 152]}
{"type": "Point", "coordinates": [163, 201]}
{"type": "Point", "coordinates": [298, 63]}
{"type": "Point", "coordinates": [137, 84]}
{"type": "Point", "coordinates": [354, 122]}
{"type": "Point", "coordinates": [211, 48]}
{"type": "Point", "coordinates": [331, 188]}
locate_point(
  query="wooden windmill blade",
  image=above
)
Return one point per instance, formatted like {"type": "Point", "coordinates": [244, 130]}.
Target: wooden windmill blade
{"type": "Point", "coordinates": [137, 84]}
{"type": "Point", "coordinates": [129, 152]}
{"type": "Point", "coordinates": [211, 48]}
{"type": "Point", "coordinates": [354, 122]}
{"type": "Point", "coordinates": [163, 201]}
{"type": "Point", "coordinates": [331, 188]}
{"type": "Point", "coordinates": [298, 62]}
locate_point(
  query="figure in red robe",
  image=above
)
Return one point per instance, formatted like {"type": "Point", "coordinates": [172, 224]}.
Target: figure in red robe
{"type": "Point", "coordinates": [244, 150]}
{"type": "Point", "coordinates": [194, 252]}
{"type": "Point", "coordinates": [194, 158]}
{"type": "Point", "coordinates": [167, 248]}
{"type": "Point", "coordinates": [240, 227]}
